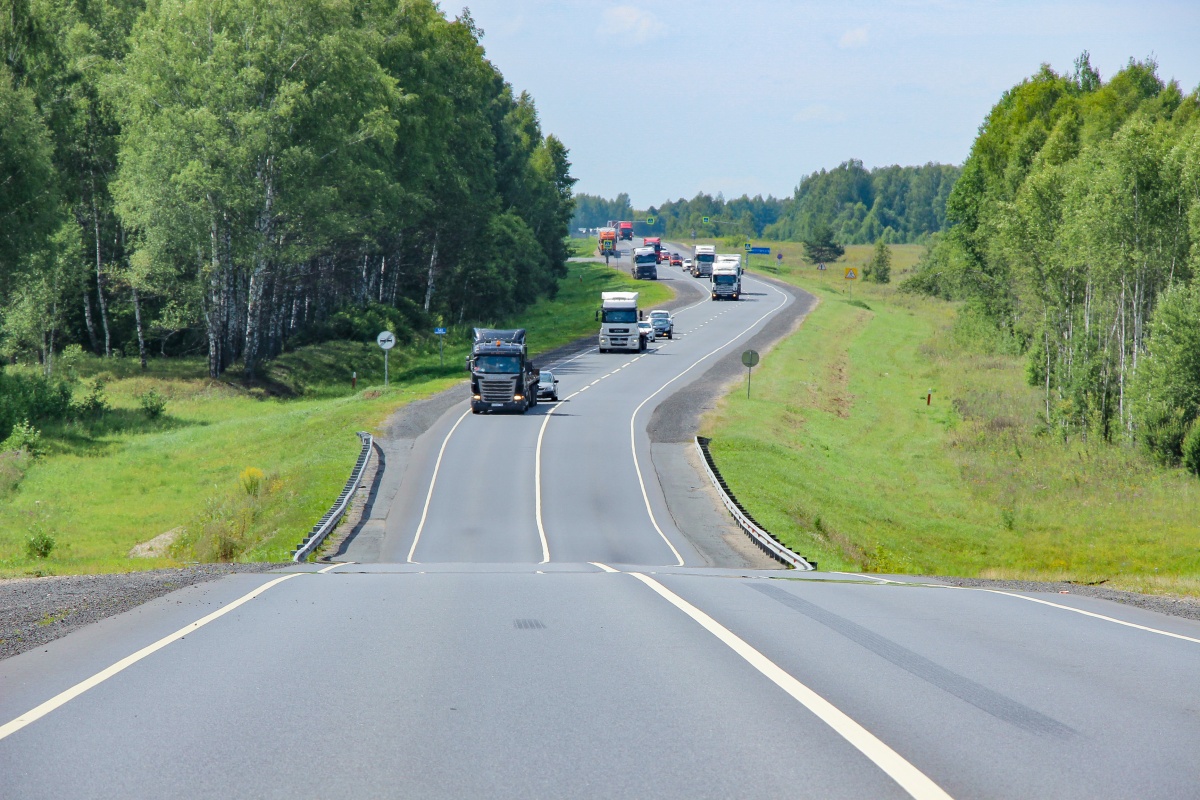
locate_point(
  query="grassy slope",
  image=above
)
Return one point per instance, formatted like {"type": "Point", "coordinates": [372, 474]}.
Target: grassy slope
{"type": "Point", "coordinates": [113, 483]}
{"type": "Point", "coordinates": [838, 431]}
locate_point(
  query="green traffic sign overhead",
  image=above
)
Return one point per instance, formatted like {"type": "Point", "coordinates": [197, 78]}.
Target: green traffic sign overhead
{"type": "Point", "coordinates": [705, 220]}
{"type": "Point", "coordinates": [650, 220]}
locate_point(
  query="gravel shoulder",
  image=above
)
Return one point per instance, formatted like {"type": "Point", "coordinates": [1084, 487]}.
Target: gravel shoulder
{"type": "Point", "coordinates": [34, 611]}
{"type": "Point", "coordinates": [1187, 607]}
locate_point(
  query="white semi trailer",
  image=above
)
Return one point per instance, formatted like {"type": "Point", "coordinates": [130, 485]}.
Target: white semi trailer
{"type": "Point", "coordinates": [619, 322]}
{"type": "Point", "coordinates": [702, 262]}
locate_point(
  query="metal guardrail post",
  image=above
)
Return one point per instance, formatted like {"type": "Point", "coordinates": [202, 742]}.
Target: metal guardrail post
{"type": "Point", "coordinates": [334, 515]}
{"type": "Point", "coordinates": [761, 537]}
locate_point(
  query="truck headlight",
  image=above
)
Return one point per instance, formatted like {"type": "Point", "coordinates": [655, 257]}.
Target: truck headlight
{"type": "Point", "coordinates": [518, 397]}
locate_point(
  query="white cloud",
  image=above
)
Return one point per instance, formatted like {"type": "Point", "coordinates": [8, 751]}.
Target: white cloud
{"type": "Point", "coordinates": [632, 23]}
{"type": "Point", "coordinates": [855, 37]}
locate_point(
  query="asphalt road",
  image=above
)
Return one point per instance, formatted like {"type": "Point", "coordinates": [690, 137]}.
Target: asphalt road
{"type": "Point", "coordinates": [535, 623]}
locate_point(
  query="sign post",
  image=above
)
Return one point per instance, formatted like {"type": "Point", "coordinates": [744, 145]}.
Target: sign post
{"type": "Point", "coordinates": [441, 334]}
{"type": "Point", "coordinates": [749, 358]}
{"type": "Point", "coordinates": [386, 340]}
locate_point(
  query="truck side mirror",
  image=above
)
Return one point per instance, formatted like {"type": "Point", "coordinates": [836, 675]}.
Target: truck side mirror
{"type": "Point", "coordinates": [597, 317]}
{"type": "Point", "coordinates": [641, 314]}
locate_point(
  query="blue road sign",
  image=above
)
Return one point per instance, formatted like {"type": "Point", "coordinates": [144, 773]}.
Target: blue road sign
{"type": "Point", "coordinates": [760, 251]}
{"type": "Point", "coordinates": [440, 331]}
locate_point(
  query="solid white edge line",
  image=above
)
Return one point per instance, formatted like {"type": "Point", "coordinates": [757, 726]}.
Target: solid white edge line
{"type": "Point", "coordinates": [432, 482]}
{"type": "Point", "coordinates": [1084, 613]}
{"type": "Point", "coordinates": [64, 697]}
{"type": "Point", "coordinates": [332, 567]}
{"type": "Point", "coordinates": [1094, 615]}
{"type": "Point", "coordinates": [633, 418]}
{"type": "Point", "coordinates": [604, 567]}
{"type": "Point", "coordinates": [909, 778]}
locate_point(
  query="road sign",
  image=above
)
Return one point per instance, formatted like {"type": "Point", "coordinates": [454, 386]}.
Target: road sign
{"type": "Point", "coordinates": [851, 274]}
{"type": "Point", "coordinates": [650, 220]}
{"type": "Point", "coordinates": [440, 331]}
{"type": "Point", "coordinates": [821, 266]}
{"type": "Point", "coordinates": [779, 256]}
{"type": "Point", "coordinates": [749, 358]}
{"type": "Point", "coordinates": [386, 340]}
{"type": "Point", "coordinates": [705, 220]}
{"type": "Point", "coordinates": [760, 251]}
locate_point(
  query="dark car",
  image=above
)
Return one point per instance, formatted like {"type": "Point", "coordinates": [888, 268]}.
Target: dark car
{"type": "Point", "coordinates": [663, 324]}
{"type": "Point", "coordinates": [548, 386]}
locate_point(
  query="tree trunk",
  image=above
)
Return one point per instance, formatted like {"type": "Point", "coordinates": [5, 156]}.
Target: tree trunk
{"type": "Point", "coordinates": [432, 273]}
{"type": "Point", "coordinates": [100, 275]}
{"type": "Point", "coordinates": [137, 317]}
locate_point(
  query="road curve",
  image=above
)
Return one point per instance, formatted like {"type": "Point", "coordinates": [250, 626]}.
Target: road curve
{"type": "Point", "coordinates": [534, 623]}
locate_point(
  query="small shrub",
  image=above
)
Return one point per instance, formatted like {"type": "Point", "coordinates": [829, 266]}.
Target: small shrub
{"type": "Point", "coordinates": [94, 401]}
{"type": "Point", "coordinates": [153, 404]}
{"type": "Point", "coordinates": [252, 480]}
{"type": "Point", "coordinates": [40, 544]}
{"type": "Point", "coordinates": [12, 470]}
{"type": "Point", "coordinates": [1008, 518]}
{"type": "Point", "coordinates": [23, 438]}
{"type": "Point", "coordinates": [1191, 449]}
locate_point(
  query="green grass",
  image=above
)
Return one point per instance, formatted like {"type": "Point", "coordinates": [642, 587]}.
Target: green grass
{"type": "Point", "coordinates": [838, 454]}
{"type": "Point", "coordinates": [110, 483]}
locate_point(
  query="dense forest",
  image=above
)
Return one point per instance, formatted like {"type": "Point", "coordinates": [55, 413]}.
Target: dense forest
{"type": "Point", "coordinates": [860, 206]}
{"type": "Point", "coordinates": [223, 176]}
{"type": "Point", "coordinates": [1075, 238]}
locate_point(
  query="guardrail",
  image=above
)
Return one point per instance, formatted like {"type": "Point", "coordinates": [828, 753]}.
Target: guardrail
{"type": "Point", "coordinates": [334, 515]}
{"type": "Point", "coordinates": [761, 536]}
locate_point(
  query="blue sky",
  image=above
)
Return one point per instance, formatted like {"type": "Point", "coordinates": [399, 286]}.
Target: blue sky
{"type": "Point", "coordinates": [665, 98]}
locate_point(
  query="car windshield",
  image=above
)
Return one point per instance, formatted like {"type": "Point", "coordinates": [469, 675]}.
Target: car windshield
{"type": "Point", "coordinates": [546, 377]}
{"type": "Point", "coordinates": [501, 364]}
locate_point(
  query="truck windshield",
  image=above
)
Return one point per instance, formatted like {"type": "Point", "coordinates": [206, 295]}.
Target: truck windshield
{"type": "Point", "coordinates": [648, 258]}
{"type": "Point", "coordinates": [620, 315]}
{"type": "Point", "coordinates": [706, 258]}
{"type": "Point", "coordinates": [725, 280]}
{"type": "Point", "coordinates": [509, 365]}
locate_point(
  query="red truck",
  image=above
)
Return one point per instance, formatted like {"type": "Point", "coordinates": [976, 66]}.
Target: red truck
{"type": "Point", "coordinates": [625, 231]}
{"type": "Point", "coordinates": [656, 243]}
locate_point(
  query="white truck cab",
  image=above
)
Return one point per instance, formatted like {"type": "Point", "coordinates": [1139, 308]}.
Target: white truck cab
{"type": "Point", "coordinates": [726, 281]}
{"type": "Point", "coordinates": [619, 322]}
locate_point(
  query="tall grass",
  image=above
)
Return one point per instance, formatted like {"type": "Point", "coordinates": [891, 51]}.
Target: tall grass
{"type": "Point", "coordinates": [839, 454]}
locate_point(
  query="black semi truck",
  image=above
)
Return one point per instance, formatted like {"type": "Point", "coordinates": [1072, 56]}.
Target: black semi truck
{"type": "Point", "coordinates": [502, 376]}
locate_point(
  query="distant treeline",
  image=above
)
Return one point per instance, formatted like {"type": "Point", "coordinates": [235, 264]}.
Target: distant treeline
{"type": "Point", "coordinates": [1075, 238]}
{"type": "Point", "coordinates": [893, 204]}
{"type": "Point", "coordinates": [225, 175]}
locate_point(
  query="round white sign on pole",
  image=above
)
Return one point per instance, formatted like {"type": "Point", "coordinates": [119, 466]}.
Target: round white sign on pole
{"type": "Point", "coordinates": [386, 340]}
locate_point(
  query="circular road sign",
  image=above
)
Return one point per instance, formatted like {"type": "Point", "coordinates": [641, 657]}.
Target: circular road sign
{"type": "Point", "coordinates": [386, 340]}
{"type": "Point", "coordinates": [750, 358]}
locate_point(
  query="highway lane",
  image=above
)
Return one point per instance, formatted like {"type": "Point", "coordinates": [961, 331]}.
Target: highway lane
{"type": "Point", "coordinates": [478, 670]}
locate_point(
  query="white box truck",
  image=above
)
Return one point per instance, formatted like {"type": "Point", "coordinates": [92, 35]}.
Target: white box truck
{"type": "Point", "coordinates": [703, 259]}
{"type": "Point", "coordinates": [619, 322]}
{"type": "Point", "coordinates": [726, 281]}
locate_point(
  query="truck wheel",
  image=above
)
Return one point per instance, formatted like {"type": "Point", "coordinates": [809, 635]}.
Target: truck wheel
{"type": "Point", "coordinates": [671, 335]}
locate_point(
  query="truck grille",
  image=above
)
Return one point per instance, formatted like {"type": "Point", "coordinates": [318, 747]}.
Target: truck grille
{"type": "Point", "coordinates": [497, 391]}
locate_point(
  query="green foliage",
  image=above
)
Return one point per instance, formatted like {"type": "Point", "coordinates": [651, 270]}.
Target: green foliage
{"type": "Point", "coordinates": [593, 211]}
{"type": "Point", "coordinates": [251, 479]}
{"type": "Point", "coordinates": [1166, 389]}
{"type": "Point", "coordinates": [25, 396]}
{"type": "Point", "coordinates": [25, 438]}
{"type": "Point", "coordinates": [879, 268]}
{"type": "Point", "coordinates": [236, 177]}
{"type": "Point", "coordinates": [1078, 207]}
{"type": "Point", "coordinates": [152, 403]}
{"type": "Point", "coordinates": [13, 465]}
{"type": "Point", "coordinates": [820, 247]}
{"type": "Point", "coordinates": [94, 401]}
{"type": "Point", "coordinates": [1191, 449]}
{"type": "Point", "coordinates": [39, 544]}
